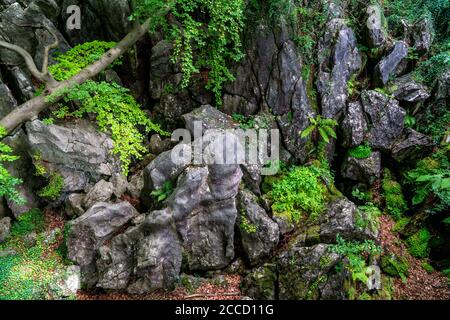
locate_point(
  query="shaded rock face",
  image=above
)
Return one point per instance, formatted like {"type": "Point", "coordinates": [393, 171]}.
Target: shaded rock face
{"type": "Point", "coordinates": [90, 231]}
{"type": "Point", "coordinates": [391, 64]}
{"type": "Point", "coordinates": [339, 60]}
{"type": "Point", "coordinates": [79, 148]}
{"type": "Point", "coordinates": [362, 170]}
{"type": "Point", "coordinates": [386, 118]}
{"type": "Point", "coordinates": [412, 146]}
{"type": "Point", "coordinates": [7, 101]}
{"type": "Point", "coordinates": [354, 125]}
{"type": "Point", "coordinates": [420, 35]}
{"type": "Point", "coordinates": [257, 244]}
{"type": "Point", "coordinates": [5, 226]}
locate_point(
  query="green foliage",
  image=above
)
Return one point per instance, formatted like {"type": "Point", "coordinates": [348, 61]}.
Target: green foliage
{"type": "Point", "coordinates": [30, 271]}
{"type": "Point", "coordinates": [27, 223]}
{"type": "Point", "coordinates": [116, 111]}
{"type": "Point", "coordinates": [361, 152]}
{"type": "Point", "coordinates": [395, 202]}
{"type": "Point", "coordinates": [395, 266]}
{"type": "Point", "coordinates": [163, 193]}
{"type": "Point", "coordinates": [300, 192]}
{"type": "Point", "coordinates": [431, 177]}
{"type": "Point", "coordinates": [410, 121]}
{"type": "Point", "coordinates": [245, 123]}
{"type": "Point", "coordinates": [207, 35]}
{"type": "Point", "coordinates": [401, 224]}
{"type": "Point", "coordinates": [356, 254]}
{"type": "Point", "coordinates": [76, 59]}
{"type": "Point", "coordinates": [54, 188]}
{"type": "Point", "coordinates": [418, 243]}
{"type": "Point", "coordinates": [245, 225]}
{"type": "Point", "coordinates": [427, 267]}
{"type": "Point", "coordinates": [8, 183]}
{"type": "Point", "coordinates": [324, 126]}
{"type": "Point", "coordinates": [430, 70]}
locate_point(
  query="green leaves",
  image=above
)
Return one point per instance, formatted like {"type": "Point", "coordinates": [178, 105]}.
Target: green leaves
{"type": "Point", "coordinates": [164, 192]}
{"type": "Point", "coordinates": [206, 36]}
{"type": "Point", "coordinates": [361, 152]}
{"type": "Point", "coordinates": [117, 112]}
{"type": "Point", "coordinates": [78, 58]}
{"type": "Point", "coordinates": [8, 183]}
{"type": "Point", "coordinates": [324, 126]}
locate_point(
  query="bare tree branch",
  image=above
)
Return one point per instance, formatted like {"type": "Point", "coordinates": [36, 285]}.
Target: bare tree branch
{"type": "Point", "coordinates": [33, 107]}
{"type": "Point", "coordinates": [47, 49]}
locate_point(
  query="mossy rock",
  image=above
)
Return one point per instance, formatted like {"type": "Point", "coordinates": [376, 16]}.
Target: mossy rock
{"type": "Point", "coordinates": [394, 266]}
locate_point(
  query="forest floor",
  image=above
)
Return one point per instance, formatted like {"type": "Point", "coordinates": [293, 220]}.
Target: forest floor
{"type": "Point", "coordinates": [230, 290]}
{"type": "Point", "coordinates": [420, 284]}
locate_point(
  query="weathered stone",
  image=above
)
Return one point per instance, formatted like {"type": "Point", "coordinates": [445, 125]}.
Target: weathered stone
{"type": "Point", "coordinates": [7, 101]}
{"type": "Point", "coordinates": [101, 192]}
{"type": "Point", "coordinates": [77, 146]}
{"type": "Point", "coordinates": [5, 226]}
{"type": "Point", "coordinates": [345, 219]}
{"type": "Point", "coordinates": [259, 234]}
{"type": "Point", "coordinates": [305, 271]}
{"type": "Point", "coordinates": [136, 184]}
{"type": "Point", "coordinates": [408, 90]}
{"type": "Point", "coordinates": [377, 26]}
{"type": "Point", "coordinates": [354, 126]}
{"type": "Point", "coordinates": [90, 231]}
{"type": "Point", "coordinates": [339, 59]}
{"type": "Point", "coordinates": [74, 205]}
{"type": "Point", "coordinates": [366, 170]}
{"type": "Point", "coordinates": [391, 65]}
{"type": "Point", "coordinates": [210, 118]}
{"type": "Point", "coordinates": [120, 184]}
{"type": "Point", "coordinates": [421, 35]}
{"type": "Point", "coordinates": [413, 146]}
{"type": "Point", "coordinates": [386, 118]}
{"type": "Point", "coordinates": [261, 283]}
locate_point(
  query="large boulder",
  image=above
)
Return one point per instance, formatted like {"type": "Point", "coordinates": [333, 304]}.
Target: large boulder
{"type": "Point", "coordinates": [366, 170]}
{"type": "Point", "coordinates": [354, 126]}
{"type": "Point", "coordinates": [386, 118]}
{"type": "Point", "coordinates": [377, 28]}
{"type": "Point", "coordinates": [259, 234]}
{"type": "Point", "coordinates": [77, 146]}
{"type": "Point", "coordinates": [408, 90]}
{"type": "Point", "coordinates": [392, 64]}
{"type": "Point", "coordinates": [90, 231]}
{"type": "Point", "coordinates": [412, 146]}
{"type": "Point", "coordinates": [101, 192]}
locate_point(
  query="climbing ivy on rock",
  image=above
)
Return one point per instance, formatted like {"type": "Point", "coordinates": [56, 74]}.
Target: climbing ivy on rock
{"type": "Point", "coordinates": [206, 35]}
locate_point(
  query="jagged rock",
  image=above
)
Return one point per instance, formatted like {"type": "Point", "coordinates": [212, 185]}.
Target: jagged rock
{"type": "Point", "coordinates": [443, 86]}
{"type": "Point", "coordinates": [101, 192]}
{"type": "Point", "coordinates": [391, 65]}
{"type": "Point", "coordinates": [120, 184]}
{"type": "Point", "coordinates": [172, 107]}
{"type": "Point", "coordinates": [5, 226]}
{"type": "Point", "coordinates": [68, 285]}
{"type": "Point", "coordinates": [413, 146]}
{"type": "Point", "coordinates": [386, 118]}
{"type": "Point", "coordinates": [210, 118]}
{"type": "Point", "coordinates": [306, 272]}
{"type": "Point", "coordinates": [259, 242]}
{"type": "Point", "coordinates": [261, 282]}
{"type": "Point", "coordinates": [354, 126]}
{"type": "Point", "coordinates": [339, 60]}
{"type": "Point", "coordinates": [366, 170]}
{"type": "Point", "coordinates": [377, 26]}
{"type": "Point", "coordinates": [136, 184]}
{"type": "Point", "coordinates": [158, 145]}
{"type": "Point", "coordinates": [343, 218]}
{"type": "Point", "coordinates": [408, 90]}
{"type": "Point", "coordinates": [158, 261]}
{"type": "Point", "coordinates": [90, 231]}
{"type": "Point", "coordinates": [74, 204]}
{"type": "Point", "coordinates": [421, 35]}
{"type": "Point", "coordinates": [24, 170]}
{"type": "Point", "coordinates": [7, 101]}
{"type": "Point", "coordinates": [78, 146]}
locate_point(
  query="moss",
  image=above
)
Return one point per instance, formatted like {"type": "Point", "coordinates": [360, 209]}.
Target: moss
{"type": "Point", "coordinates": [418, 243]}
{"type": "Point", "coordinates": [245, 225]}
{"type": "Point", "coordinates": [401, 224]}
{"type": "Point", "coordinates": [313, 290]}
{"type": "Point", "coordinates": [395, 202]}
{"type": "Point", "coordinates": [27, 223]}
{"type": "Point", "coordinates": [313, 234]}
{"type": "Point", "coordinates": [365, 296]}
{"type": "Point", "coordinates": [361, 152]}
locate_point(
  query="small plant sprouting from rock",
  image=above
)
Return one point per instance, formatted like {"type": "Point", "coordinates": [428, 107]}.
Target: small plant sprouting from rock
{"type": "Point", "coordinates": [324, 126]}
{"type": "Point", "coordinates": [395, 201]}
{"type": "Point", "coordinates": [164, 192]}
{"type": "Point", "coordinates": [361, 152]}
{"type": "Point", "coordinates": [246, 225]}
{"type": "Point", "coordinates": [54, 188]}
